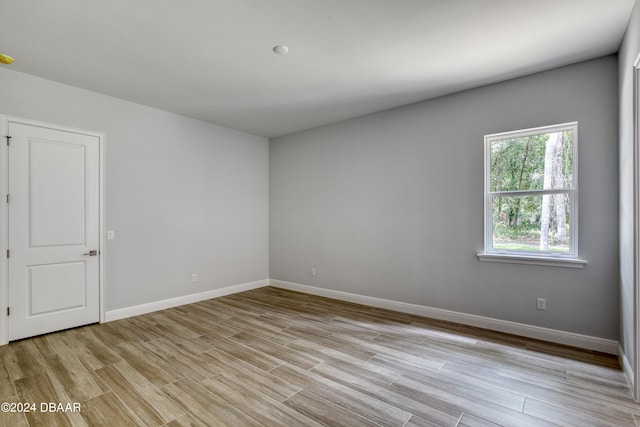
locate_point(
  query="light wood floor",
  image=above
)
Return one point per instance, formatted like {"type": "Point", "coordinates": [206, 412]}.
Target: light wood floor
{"type": "Point", "coordinates": [270, 357]}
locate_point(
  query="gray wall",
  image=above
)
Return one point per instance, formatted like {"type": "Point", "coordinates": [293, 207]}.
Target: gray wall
{"type": "Point", "coordinates": [628, 53]}
{"type": "Point", "coordinates": [183, 196]}
{"type": "Point", "coordinates": [390, 205]}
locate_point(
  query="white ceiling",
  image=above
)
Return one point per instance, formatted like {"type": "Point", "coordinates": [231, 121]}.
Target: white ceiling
{"type": "Point", "coordinates": [213, 60]}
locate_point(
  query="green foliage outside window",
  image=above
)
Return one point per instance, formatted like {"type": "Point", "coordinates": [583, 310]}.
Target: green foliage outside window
{"type": "Point", "coordinates": [536, 220]}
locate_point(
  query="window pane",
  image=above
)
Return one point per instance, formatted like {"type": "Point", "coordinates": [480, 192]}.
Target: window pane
{"type": "Point", "coordinates": [531, 223]}
{"type": "Point", "coordinates": [533, 162]}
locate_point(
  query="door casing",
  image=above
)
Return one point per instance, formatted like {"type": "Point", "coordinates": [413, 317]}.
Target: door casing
{"type": "Point", "coordinates": [4, 225]}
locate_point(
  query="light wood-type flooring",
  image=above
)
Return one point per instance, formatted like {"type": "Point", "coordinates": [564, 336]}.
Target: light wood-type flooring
{"type": "Point", "coordinates": [270, 357]}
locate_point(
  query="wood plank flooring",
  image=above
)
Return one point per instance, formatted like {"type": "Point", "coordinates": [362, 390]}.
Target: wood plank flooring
{"type": "Point", "coordinates": [271, 357]}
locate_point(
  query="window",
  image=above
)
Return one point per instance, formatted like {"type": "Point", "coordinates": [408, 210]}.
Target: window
{"type": "Point", "coordinates": [531, 195]}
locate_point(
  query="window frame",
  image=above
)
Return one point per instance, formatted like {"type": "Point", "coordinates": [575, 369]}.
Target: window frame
{"type": "Point", "coordinates": [569, 259]}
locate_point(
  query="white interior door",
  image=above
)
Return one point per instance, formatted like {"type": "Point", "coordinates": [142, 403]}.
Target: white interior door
{"type": "Point", "coordinates": [53, 222]}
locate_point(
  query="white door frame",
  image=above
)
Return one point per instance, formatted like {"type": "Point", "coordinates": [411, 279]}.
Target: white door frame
{"type": "Point", "coordinates": [4, 226]}
{"type": "Point", "coordinates": [636, 230]}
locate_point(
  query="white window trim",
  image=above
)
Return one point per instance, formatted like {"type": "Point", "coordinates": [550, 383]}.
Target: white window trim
{"type": "Point", "coordinates": [570, 259]}
{"type": "Point", "coordinates": [532, 260]}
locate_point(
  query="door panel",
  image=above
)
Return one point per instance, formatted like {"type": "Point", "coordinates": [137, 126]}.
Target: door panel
{"type": "Point", "coordinates": [56, 287]}
{"type": "Point", "coordinates": [53, 224]}
{"type": "Point", "coordinates": [56, 199]}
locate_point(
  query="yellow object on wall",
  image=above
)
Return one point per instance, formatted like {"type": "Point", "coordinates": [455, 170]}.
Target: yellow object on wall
{"type": "Point", "coordinates": [5, 59]}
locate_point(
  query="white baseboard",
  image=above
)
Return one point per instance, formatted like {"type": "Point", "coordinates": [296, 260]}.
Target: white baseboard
{"type": "Point", "coordinates": [529, 331]}
{"type": "Point", "coordinates": [137, 310]}
{"type": "Point", "coordinates": [626, 368]}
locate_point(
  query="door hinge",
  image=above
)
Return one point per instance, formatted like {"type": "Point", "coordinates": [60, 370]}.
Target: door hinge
{"type": "Point", "coordinates": [8, 140]}
{"type": "Point", "coordinates": [7, 198]}
{"type": "Point", "coordinates": [8, 311]}
{"type": "Point", "coordinates": [8, 253]}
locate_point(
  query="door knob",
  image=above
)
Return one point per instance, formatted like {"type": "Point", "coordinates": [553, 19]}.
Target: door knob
{"type": "Point", "coordinates": [92, 253]}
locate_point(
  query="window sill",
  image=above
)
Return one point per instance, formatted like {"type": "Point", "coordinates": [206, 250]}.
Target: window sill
{"type": "Point", "coordinates": [532, 260]}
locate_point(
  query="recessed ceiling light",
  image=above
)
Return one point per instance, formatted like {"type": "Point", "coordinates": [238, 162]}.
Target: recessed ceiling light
{"type": "Point", "coordinates": [5, 59]}
{"type": "Point", "coordinates": [280, 50]}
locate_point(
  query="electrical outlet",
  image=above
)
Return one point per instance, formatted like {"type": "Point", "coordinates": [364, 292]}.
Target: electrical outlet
{"type": "Point", "coordinates": [312, 272]}
{"type": "Point", "coordinates": [111, 235]}
{"type": "Point", "coordinates": [194, 277]}
{"type": "Point", "coordinates": [541, 304]}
